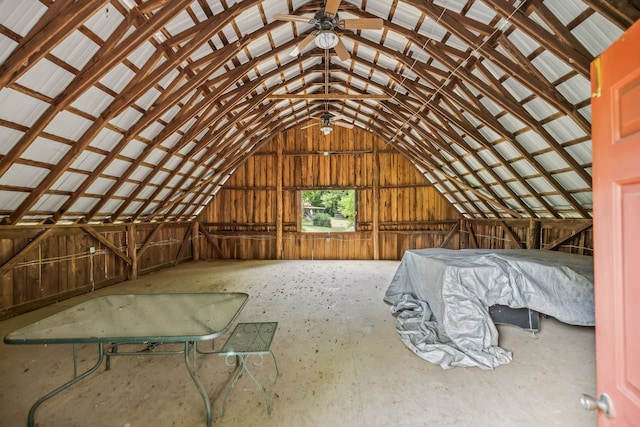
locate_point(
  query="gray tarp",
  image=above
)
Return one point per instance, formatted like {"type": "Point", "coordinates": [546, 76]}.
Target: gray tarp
{"type": "Point", "coordinates": [442, 298]}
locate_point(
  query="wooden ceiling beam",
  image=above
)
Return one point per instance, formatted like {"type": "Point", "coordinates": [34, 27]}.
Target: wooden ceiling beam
{"type": "Point", "coordinates": [235, 159]}
{"type": "Point", "coordinates": [153, 114]}
{"type": "Point", "coordinates": [139, 85]}
{"type": "Point", "coordinates": [90, 75]}
{"type": "Point", "coordinates": [541, 88]}
{"type": "Point", "coordinates": [205, 122]}
{"type": "Point", "coordinates": [472, 132]}
{"type": "Point", "coordinates": [455, 180]}
{"type": "Point", "coordinates": [511, 105]}
{"type": "Point", "coordinates": [202, 144]}
{"type": "Point", "coordinates": [329, 96]}
{"type": "Point", "coordinates": [481, 116]}
{"type": "Point", "coordinates": [60, 20]}
{"type": "Point", "coordinates": [623, 13]}
{"type": "Point", "coordinates": [225, 169]}
{"type": "Point", "coordinates": [558, 44]}
{"type": "Point", "coordinates": [443, 145]}
{"type": "Point", "coordinates": [234, 114]}
{"type": "Point", "coordinates": [444, 128]}
{"type": "Point", "coordinates": [559, 30]}
{"type": "Point", "coordinates": [443, 162]}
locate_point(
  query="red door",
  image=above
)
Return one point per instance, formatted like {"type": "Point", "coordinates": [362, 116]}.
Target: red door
{"type": "Point", "coordinates": [615, 78]}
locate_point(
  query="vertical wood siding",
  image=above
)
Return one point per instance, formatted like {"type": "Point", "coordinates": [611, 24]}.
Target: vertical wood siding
{"type": "Point", "coordinates": [242, 216]}
{"type": "Point", "coordinates": [242, 222]}
{"type": "Point", "coordinates": [62, 264]}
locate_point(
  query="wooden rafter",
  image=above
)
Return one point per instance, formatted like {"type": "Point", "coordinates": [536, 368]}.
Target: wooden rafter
{"type": "Point", "coordinates": [90, 75]}
{"type": "Point", "coordinates": [192, 84]}
{"type": "Point", "coordinates": [204, 141]}
{"type": "Point", "coordinates": [186, 114]}
{"type": "Point", "coordinates": [549, 94]}
{"type": "Point", "coordinates": [621, 12]}
{"type": "Point", "coordinates": [559, 46]}
{"type": "Point", "coordinates": [60, 19]}
{"type": "Point", "coordinates": [446, 128]}
{"type": "Point", "coordinates": [442, 105]}
{"type": "Point", "coordinates": [329, 96]}
{"type": "Point", "coordinates": [491, 122]}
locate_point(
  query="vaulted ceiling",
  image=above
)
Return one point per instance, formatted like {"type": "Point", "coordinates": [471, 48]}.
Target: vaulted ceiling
{"type": "Point", "coordinates": [126, 110]}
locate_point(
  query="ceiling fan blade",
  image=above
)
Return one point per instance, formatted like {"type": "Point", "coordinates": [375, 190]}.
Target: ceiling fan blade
{"type": "Point", "coordinates": [344, 124]}
{"type": "Point", "coordinates": [304, 43]}
{"type": "Point", "coordinates": [342, 51]}
{"type": "Point", "coordinates": [337, 116]}
{"type": "Point", "coordinates": [292, 18]}
{"type": "Point", "coordinates": [361, 24]}
{"type": "Point", "coordinates": [310, 126]}
{"type": "Point", "coordinates": [331, 7]}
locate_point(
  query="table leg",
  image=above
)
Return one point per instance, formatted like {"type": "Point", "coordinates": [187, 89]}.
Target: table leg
{"type": "Point", "coordinates": [32, 411]}
{"type": "Point", "coordinates": [196, 381]}
{"type": "Point", "coordinates": [110, 351]}
{"type": "Point", "coordinates": [241, 364]}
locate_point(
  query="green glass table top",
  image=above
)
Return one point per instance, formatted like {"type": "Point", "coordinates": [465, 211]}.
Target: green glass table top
{"type": "Point", "coordinates": [250, 338]}
{"type": "Point", "coordinates": [137, 318]}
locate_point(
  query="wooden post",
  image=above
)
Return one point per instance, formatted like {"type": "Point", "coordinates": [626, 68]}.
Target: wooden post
{"type": "Point", "coordinates": [533, 238]}
{"type": "Point", "coordinates": [375, 215]}
{"type": "Point", "coordinates": [471, 237]}
{"type": "Point", "coordinates": [195, 243]}
{"type": "Point", "coordinates": [279, 196]}
{"type": "Point", "coordinates": [464, 234]}
{"type": "Point", "coordinates": [131, 251]}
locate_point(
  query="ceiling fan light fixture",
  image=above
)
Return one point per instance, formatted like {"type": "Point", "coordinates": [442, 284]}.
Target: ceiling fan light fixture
{"type": "Point", "coordinates": [326, 129]}
{"type": "Point", "coordinates": [326, 39]}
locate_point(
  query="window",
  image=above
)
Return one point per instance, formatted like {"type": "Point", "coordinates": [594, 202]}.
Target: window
{"type": "Point", "coordinates": [328, 211]}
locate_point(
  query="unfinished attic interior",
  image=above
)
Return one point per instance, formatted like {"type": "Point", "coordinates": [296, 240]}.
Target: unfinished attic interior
{"type": "Point", "coordinates": [189, 129]}
{"type": "Point", "coordinates": [138, 136]}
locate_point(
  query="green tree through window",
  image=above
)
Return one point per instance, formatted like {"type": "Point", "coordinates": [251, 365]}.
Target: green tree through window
{"type": "Point", "coordinates": [338, 205]}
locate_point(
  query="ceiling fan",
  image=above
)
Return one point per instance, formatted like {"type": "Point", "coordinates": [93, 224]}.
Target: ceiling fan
{"type": "Point", "coordinates": [327, 119]}
{"type": "Point", "coordinates": [326, 21]}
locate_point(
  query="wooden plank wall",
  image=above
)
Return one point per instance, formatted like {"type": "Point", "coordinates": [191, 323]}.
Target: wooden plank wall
{"type": "Point", "coordinates": [62, 265]}
{"type": "Point", "coordinates": [243, 215]}
{"type": "Point", "coordinates": [569, 235]}
{"type": "Point", "coordinates": [256, 215]}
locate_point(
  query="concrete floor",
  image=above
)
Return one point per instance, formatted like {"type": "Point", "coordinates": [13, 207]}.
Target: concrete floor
{"type": "Point", "coordinates": [341, 362]}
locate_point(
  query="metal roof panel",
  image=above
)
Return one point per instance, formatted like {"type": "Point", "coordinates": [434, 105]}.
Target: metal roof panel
{"type": "Point", "coordinates": [19, 108]}
{"type": "Point", "coordinates": [45, 151]}
{"type": "Point", "coordinates": [8, 138]}
{"type": "Point", "coordinates": [21, 16]}
{"type": "Point", "coordinates": [68, 181]}
{"type": "Point", "coordinates": [23, 176]}
{"type": "Point", "coordinates": [68, 125]}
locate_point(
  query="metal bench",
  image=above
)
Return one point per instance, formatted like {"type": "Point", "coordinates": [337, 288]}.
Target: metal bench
{"type": "Point", "coordinates": [249, 339]}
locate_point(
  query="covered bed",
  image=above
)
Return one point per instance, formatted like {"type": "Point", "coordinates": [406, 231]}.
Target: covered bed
{"type": "Point", "coordinates": [442, 298]}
